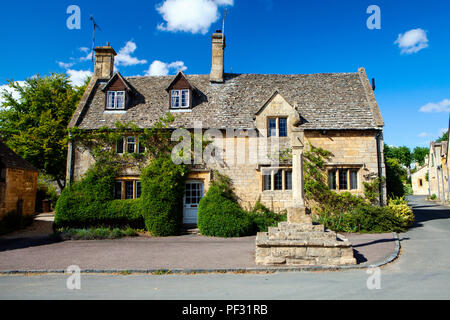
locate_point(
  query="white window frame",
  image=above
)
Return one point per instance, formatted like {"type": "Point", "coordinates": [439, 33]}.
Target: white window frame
{"type": "Point", "coordinates": [136, 143]}
{"type": "Point", "coordinates": [179, 95]}
{"type": "Point", "coordinates": [113, 105]}
{"type": "Point", "coordinates": [272, 179]}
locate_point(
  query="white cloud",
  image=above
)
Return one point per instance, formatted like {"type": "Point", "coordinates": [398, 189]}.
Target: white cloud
{"type": "Point", "coordinates": [159, 68]}
{"type": "Point", "coordinates": [84, 49]}
{"type": "Point", "coordinates": [423, 135]}
{"type": "Point", "coordinates": [443, 106]}
{"type": "Point", "coordinates": [87, 58]}
{"type": "Point", "coordinates": [195, 16]}
{"type": "Point", "coordinates": [124, 57]}
{"type": "Point", "coordinates": [78, 77]}
{"type": "Point", "coordinates": [8, 89]}
{"type": "Point", "coordinates": [65, 65]}
{"type": "Point", "coordinates": [412, 41]}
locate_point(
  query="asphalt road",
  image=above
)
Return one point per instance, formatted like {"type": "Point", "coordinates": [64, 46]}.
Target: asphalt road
{"type": "Point", "coordinates": [421, 272]}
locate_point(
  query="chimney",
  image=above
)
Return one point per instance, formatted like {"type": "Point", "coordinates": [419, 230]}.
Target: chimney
{"type": "Point", "coordinates": [104, 62]}
{"type": "Point", "coordinates": [218, 53]}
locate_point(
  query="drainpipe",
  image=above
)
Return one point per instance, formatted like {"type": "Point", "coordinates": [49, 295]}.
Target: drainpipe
{"type": "Point", "coordinates": [380, 169]}
{"type": "Point", "coordinates": [69, 161]}
{"type": "Point", "coordinates": [448, 183]}
{"type": "Point", "coordinates": [438, 183]}
{"type": "Point", "coordinates": [443, 184]}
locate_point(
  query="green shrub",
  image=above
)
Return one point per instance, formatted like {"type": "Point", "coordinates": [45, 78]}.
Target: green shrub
{"type": "Point", "coordinates": [364, 219]}
{"type": "Point", "coordinates": [433, 197]}
{"type": "Point", "coordinates": [90, 203]}
{"type": "Point", "coordinates": [96, 233]}
{"type": "Point", "coordinates": [263, 218]}
{"type": "Point", "coordinates": [219, 213]}
{"type": "Point", "coordinates": [400, 208]}
{"type": "Point", "coordinates": [45, 191]}
{"type": "Point", "coordinates": [163, 185]}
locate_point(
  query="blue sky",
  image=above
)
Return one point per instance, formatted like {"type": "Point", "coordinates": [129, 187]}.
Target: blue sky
{"type": "Point", "coordinates": [263, 36]}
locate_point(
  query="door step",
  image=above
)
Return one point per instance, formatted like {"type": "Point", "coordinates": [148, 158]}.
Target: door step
{"type": "Point", "coordinates": [191, 230]}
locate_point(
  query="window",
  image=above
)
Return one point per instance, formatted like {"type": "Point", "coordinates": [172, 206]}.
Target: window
{"type": "Point", "coordinates": [283, 127]}
{"type": "Point", "coordinates": [127, 189]}
{"type": "Point", "coordinates": [332, 179]}
{"type": "Point", "coordinates": [119, 146]}
{"type": "Point", "coordinates": [288, 181]}
{"type": "Point", "coordinates": [194, 193]}
{"type": "Point", "coordinates": [420, 183]}
{"type": "Point", "coordinates": [267, 182]}
{"type": "Point", "coordinates": [138, 189]}
{"type": "Point", "coordinates": [343, 179]}
{"type": "Point", "coordinates": [277, 180]}
{"type": "Point", "coordinates": [115, 100]}
{"type": "Point", "coordinates": [180, 99]}
{"type": "Point", "coordinates": [272, 127]}
{"type": "Point", "coordinates": [277, 127]}
{"type": "Point", "coordinates": [130, 144]}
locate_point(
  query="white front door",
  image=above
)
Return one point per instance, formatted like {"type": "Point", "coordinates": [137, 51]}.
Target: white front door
{"type": "Point", "coordinates": [192, 197]}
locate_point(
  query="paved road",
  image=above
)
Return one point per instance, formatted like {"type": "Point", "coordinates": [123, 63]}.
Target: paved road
{"type": "Point", "coordinates": [422, 272]}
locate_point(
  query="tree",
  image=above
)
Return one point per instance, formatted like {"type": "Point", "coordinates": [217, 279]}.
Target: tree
{"type": "Point", "coordinates": [395, 175]}
{"type": "Point", "coordinates": [402, 154]}
{"type": "Point", "coordinates": [444, 137]}
{"type": "Point", "coordinates": [35, 124]}
{"type": "Point", "coordinates": [419, 154]}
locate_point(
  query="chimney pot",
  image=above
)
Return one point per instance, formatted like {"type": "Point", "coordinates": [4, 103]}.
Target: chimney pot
{"type": "Point", "coordinates": [104, 62]}
{"type": "Point", "coordinates": [218, 57]}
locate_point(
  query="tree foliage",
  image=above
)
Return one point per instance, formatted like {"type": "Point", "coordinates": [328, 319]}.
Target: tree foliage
{"type": "Point", "coordinates": [402, 154]}
{"type": "Point", "coordinates": [419, 154]}
{"type": "Point", "coordinates": [35, 124]}
{"type": "Point", "coordinates": [444, 137]}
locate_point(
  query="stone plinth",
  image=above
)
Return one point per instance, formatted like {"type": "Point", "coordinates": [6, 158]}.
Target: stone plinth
{"type": "Point", "coordinates": [302, 244]}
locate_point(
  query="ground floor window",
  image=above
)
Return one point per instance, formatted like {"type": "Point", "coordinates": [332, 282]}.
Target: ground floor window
{"type": "Point", "coordinates": [341, 179]}
{"type": "Point", "coordinates": [277, 179]}
{"type": "Point", "coordinates": [127, 189]}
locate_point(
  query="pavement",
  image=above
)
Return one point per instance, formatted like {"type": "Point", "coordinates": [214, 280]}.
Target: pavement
{"type": "Point", "coordinates": [421, 272]}
{"type": "Point", "coordinates": [33, 250]}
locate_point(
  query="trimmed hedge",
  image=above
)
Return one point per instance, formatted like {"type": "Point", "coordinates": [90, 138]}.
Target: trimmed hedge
{"type": "Point", "coordinates": [163, 185]}
{"type": "Point", "coordinates": [90, 203]}
{"type": "Point", "coordinates": [263, 218]}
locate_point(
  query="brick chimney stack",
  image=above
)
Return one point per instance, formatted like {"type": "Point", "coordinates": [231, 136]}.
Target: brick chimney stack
{"type": "Point", "coordinates": [104, 62]}
{"type": "Point", "coordinates": [218, 57]}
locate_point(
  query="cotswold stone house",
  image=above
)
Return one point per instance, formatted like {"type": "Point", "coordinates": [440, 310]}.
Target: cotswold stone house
{"type": "Point", "coordinates": [18, 183]}
{"type": "Point", "coordinates": [438, 171]}
{"type": "Point", "coordinates": [337, 112]}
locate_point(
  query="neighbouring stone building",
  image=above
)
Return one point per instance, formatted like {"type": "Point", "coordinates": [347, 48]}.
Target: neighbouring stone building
{"type": "Point", "coordinates": [18, 183]}
{"type": "Point", "coordinates": [419, 179]}
{"type": "Point", "coordinates": [335, 111]}
{"type": "Point", "coordinates": [438, 171]}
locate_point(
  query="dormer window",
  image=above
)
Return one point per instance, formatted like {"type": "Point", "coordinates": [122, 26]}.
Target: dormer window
{"type": "Point", "coordinates": [180, 99]}
{"type": "Point", "coordinates": [116, 100]}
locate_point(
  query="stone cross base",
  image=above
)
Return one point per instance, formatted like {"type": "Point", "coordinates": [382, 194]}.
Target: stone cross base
{"type": "Point", "coordinates": [299, 242]}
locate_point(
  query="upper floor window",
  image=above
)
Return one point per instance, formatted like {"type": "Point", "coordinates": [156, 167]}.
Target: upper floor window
{"type": "Point", "coordinates": [277, 127]}
{"type": "Point", "coordinates": [115, 100]}
{"type": "Point", "coordinates": [180, 99]}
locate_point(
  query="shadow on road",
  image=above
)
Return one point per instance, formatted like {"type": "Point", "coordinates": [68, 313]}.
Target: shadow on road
{"type": "Point", "coordinates": [426, 212]}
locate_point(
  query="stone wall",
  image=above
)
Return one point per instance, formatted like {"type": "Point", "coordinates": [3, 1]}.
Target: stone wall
{"type": "Point", "coordinates": [20, 185]}
{"type": "Point", "coordinates": [356, 149]}
{"type": "Point", "coordinates": [419, 182]}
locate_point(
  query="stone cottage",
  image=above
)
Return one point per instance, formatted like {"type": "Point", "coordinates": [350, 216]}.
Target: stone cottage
{"type": "Point", "coordinates": [18, 183]}
{"type": "Point", "coordinates": [420, 178]}
{"type": "Point", "coordinates": [438, 171]}
{"type": "Point", "coordinates": [336, 111]}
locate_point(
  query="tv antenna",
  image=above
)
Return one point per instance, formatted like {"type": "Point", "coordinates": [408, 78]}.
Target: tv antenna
{"type": "Point", "coordinates": [96, 26]}
{"type": "Point", "coordinates": [225, 13]}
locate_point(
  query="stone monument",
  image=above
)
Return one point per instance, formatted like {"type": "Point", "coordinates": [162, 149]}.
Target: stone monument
{"type": "Point", "coordinates": [299, 241]}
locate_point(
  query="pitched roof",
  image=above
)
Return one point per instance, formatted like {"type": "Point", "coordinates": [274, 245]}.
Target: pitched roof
{"type": "Point", "coordinates": [325, 101]}
{"type": "Point", "coordinates": [9, 159]}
